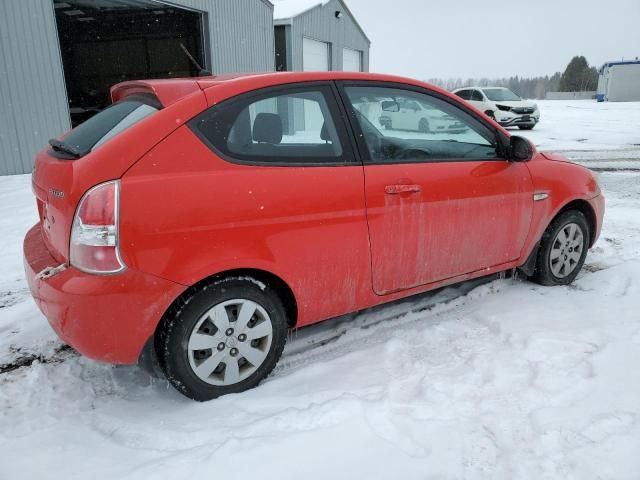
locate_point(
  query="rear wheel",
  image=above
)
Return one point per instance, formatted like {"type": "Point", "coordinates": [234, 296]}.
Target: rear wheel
{"type": "Point", "coordinates": [423, 125]}
{"type": "Point", "coordinates": [563, 249]}
{"type": "Point", "coordinates": [225, 338]}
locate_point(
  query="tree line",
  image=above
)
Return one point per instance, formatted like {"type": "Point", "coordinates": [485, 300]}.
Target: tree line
{"type": "Point", "coordinates": [577, 77]}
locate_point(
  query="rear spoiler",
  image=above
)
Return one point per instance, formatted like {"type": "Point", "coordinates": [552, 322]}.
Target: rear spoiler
{"type": "Point", "coordinates": [166, 91]}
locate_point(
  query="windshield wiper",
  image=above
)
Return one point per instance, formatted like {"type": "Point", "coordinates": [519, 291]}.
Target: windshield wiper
{"type": "Point", "coordinates": [62, 147]}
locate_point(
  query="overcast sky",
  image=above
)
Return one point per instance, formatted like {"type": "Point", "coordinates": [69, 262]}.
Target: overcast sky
{"type": "Point", "coordinates": [495, 38]}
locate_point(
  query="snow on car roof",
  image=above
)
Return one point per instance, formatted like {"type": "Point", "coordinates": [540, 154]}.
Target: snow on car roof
{"type": "Point", "coordinates": [284, 9]}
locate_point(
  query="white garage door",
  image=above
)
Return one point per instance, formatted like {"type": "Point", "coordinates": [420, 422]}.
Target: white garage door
{"type": "Point", "coordinates": [351, 60]}
{"type": "Point", "coordinates": [315, 55]}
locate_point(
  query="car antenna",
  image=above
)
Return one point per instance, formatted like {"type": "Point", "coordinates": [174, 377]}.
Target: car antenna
{"type": "Point", "coordinates": [201, 71]}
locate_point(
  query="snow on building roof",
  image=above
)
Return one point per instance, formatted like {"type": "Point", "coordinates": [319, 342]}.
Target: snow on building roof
{"type": "Point", "coordinates": [284, 9]}
{"type": "Point", "coordinates": [618, 62]}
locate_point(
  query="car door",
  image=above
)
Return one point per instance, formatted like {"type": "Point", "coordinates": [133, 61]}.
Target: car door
{"type": "Point", "coordinates": [440, 204]}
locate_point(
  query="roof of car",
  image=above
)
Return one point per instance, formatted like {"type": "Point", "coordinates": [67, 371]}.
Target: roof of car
{"type": "Point", "coordinates": [170, 90]}
{"type": "Point", "coordinates": [479, 88]}
{"type": "Point", "coordinates": [287, 77]}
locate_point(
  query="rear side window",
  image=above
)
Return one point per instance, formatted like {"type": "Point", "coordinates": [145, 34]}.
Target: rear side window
{"type": "Point", "coordinates": [476, 96]}
{"type": "Point", "coordinates": [464, 94]}
{"type": "Point", "coordinates": [292, 125]}
{"type": "Point", "coordinates": [110, 122]}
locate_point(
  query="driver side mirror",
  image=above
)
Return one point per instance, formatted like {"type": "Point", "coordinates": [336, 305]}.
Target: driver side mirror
{"type": "Point", "coordinates": [520, 149]}
{"type": "Point", "coordinates": [390, 106]}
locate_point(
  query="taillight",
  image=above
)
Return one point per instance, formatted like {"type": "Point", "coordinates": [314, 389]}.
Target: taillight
{"type": "Point", "coordinates": [94, 234]}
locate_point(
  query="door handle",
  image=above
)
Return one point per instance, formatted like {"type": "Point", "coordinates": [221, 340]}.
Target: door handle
{"type": "Point", "coordinates": [397, 189]}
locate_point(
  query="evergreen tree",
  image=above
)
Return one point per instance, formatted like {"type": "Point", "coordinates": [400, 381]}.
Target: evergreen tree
{"type": "Point", "coordinates": [578, 76]}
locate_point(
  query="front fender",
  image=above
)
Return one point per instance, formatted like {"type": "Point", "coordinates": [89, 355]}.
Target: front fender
{"type": "Point", "coordinates": [557, 184]}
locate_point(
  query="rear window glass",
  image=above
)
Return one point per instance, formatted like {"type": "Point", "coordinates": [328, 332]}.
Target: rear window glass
{"type": "Point", "coordinates": [107, 124]}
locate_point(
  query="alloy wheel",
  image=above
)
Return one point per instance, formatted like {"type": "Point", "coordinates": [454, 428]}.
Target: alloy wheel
{"type": "Point", "coordinates": [230, 342]}
{"type": "Point", "coordinates": [566, 250]}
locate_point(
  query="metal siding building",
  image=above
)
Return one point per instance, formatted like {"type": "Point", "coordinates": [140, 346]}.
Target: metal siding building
{"type": "Point", "coordinates": [240, 34]}
{"type": "Point", "coordinates": [329, 22]}
{"type": "Point", "coordinates": [33, 101]}
{"type": "Point", "coordinates": [34, 104]}
{"type": "Point", "coordinates": [619, 82]}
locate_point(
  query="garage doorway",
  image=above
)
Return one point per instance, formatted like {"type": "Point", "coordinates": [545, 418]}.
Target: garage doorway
{"type": "Point", "coordinates": [104, 42]}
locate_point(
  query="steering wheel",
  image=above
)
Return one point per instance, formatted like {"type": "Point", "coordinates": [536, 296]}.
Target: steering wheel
{"type": "Point", "coordinates": [414, 154]}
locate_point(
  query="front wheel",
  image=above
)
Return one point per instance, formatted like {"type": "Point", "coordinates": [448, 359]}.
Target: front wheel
{"type": "Point", "coordinates": [563, 249]}
{"type": "Point", "coordinates": [225, 338]}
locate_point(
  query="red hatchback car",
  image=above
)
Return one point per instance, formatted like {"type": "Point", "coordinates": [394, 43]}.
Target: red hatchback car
{"type": "Point", "coordinates": [198, 220]}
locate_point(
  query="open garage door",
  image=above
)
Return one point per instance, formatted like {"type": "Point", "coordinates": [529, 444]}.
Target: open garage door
{"type": "Point", "coordinates": [104, 42]}
{"type": "Point", "coordinates": [315, 56]}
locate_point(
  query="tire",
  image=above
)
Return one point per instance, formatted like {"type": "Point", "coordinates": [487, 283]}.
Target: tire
{"type": "Point", "coordinates": [207, 318]}
{"type": "Point", "coordinates": [388, 125]}
{"type": "Point", "coordinates": [526, 127]}
{"type": "Point", "coordinates": [558, 246]}
{"type": "Point", "coordinates": [490, 114]}
{"type": "Point", "coordinates": [423, 126]}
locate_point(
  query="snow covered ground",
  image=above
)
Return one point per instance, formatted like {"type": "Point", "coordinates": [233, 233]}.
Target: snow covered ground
{"type": "Point", "coordinates": [586, 125]}
{"type": "Point", "coordinates": [500, 379]}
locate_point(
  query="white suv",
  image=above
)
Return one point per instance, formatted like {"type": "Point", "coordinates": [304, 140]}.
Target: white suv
{"type": "Point", "coordinates": [501, 104]}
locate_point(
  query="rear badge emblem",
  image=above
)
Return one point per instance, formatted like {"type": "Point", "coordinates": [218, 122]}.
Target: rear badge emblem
{"type": "Point", "coordinates": [56, 193]}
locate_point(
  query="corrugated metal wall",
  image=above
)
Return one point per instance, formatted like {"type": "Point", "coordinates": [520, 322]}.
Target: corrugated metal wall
{"type": "Point", "coordinates": [240, 34]}
{"type": "Point", "coordinates": [33, 100]}
{"type": "Point", "coordinates": [321, 24]}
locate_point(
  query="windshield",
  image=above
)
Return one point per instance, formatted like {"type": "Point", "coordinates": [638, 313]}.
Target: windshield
{"type": "Point", "coordinates": [500, 94]}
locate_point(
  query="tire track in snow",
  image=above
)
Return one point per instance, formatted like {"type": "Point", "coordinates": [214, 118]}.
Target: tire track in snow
{"type": "Point", "coordinates": [371, 325]}
{"type": "Point", "coordinates": [26, 360]}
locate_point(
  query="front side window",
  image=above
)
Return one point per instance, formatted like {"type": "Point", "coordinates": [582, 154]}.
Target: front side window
{"type": "Point", "coordinates": [436, 131]}
{"type": "Point", "coordinates": [293, 126]}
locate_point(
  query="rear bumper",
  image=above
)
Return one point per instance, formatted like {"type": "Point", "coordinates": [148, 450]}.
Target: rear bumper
{"type": "Point", "coordinates": [104, 317]}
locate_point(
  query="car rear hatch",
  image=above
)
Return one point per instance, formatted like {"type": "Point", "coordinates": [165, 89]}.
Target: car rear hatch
{"type": "Point", "coordinates": [104, 147]}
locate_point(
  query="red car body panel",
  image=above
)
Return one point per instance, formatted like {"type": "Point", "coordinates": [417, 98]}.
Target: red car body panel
{"type": "Point", "coordinates": [105, 317]}
{"type": "Point", "coordinates": [465, 216]}
{"type": "Point", "coordinates": [331, 234]}
{"type": "Point", "coordinates": [243, 217]}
